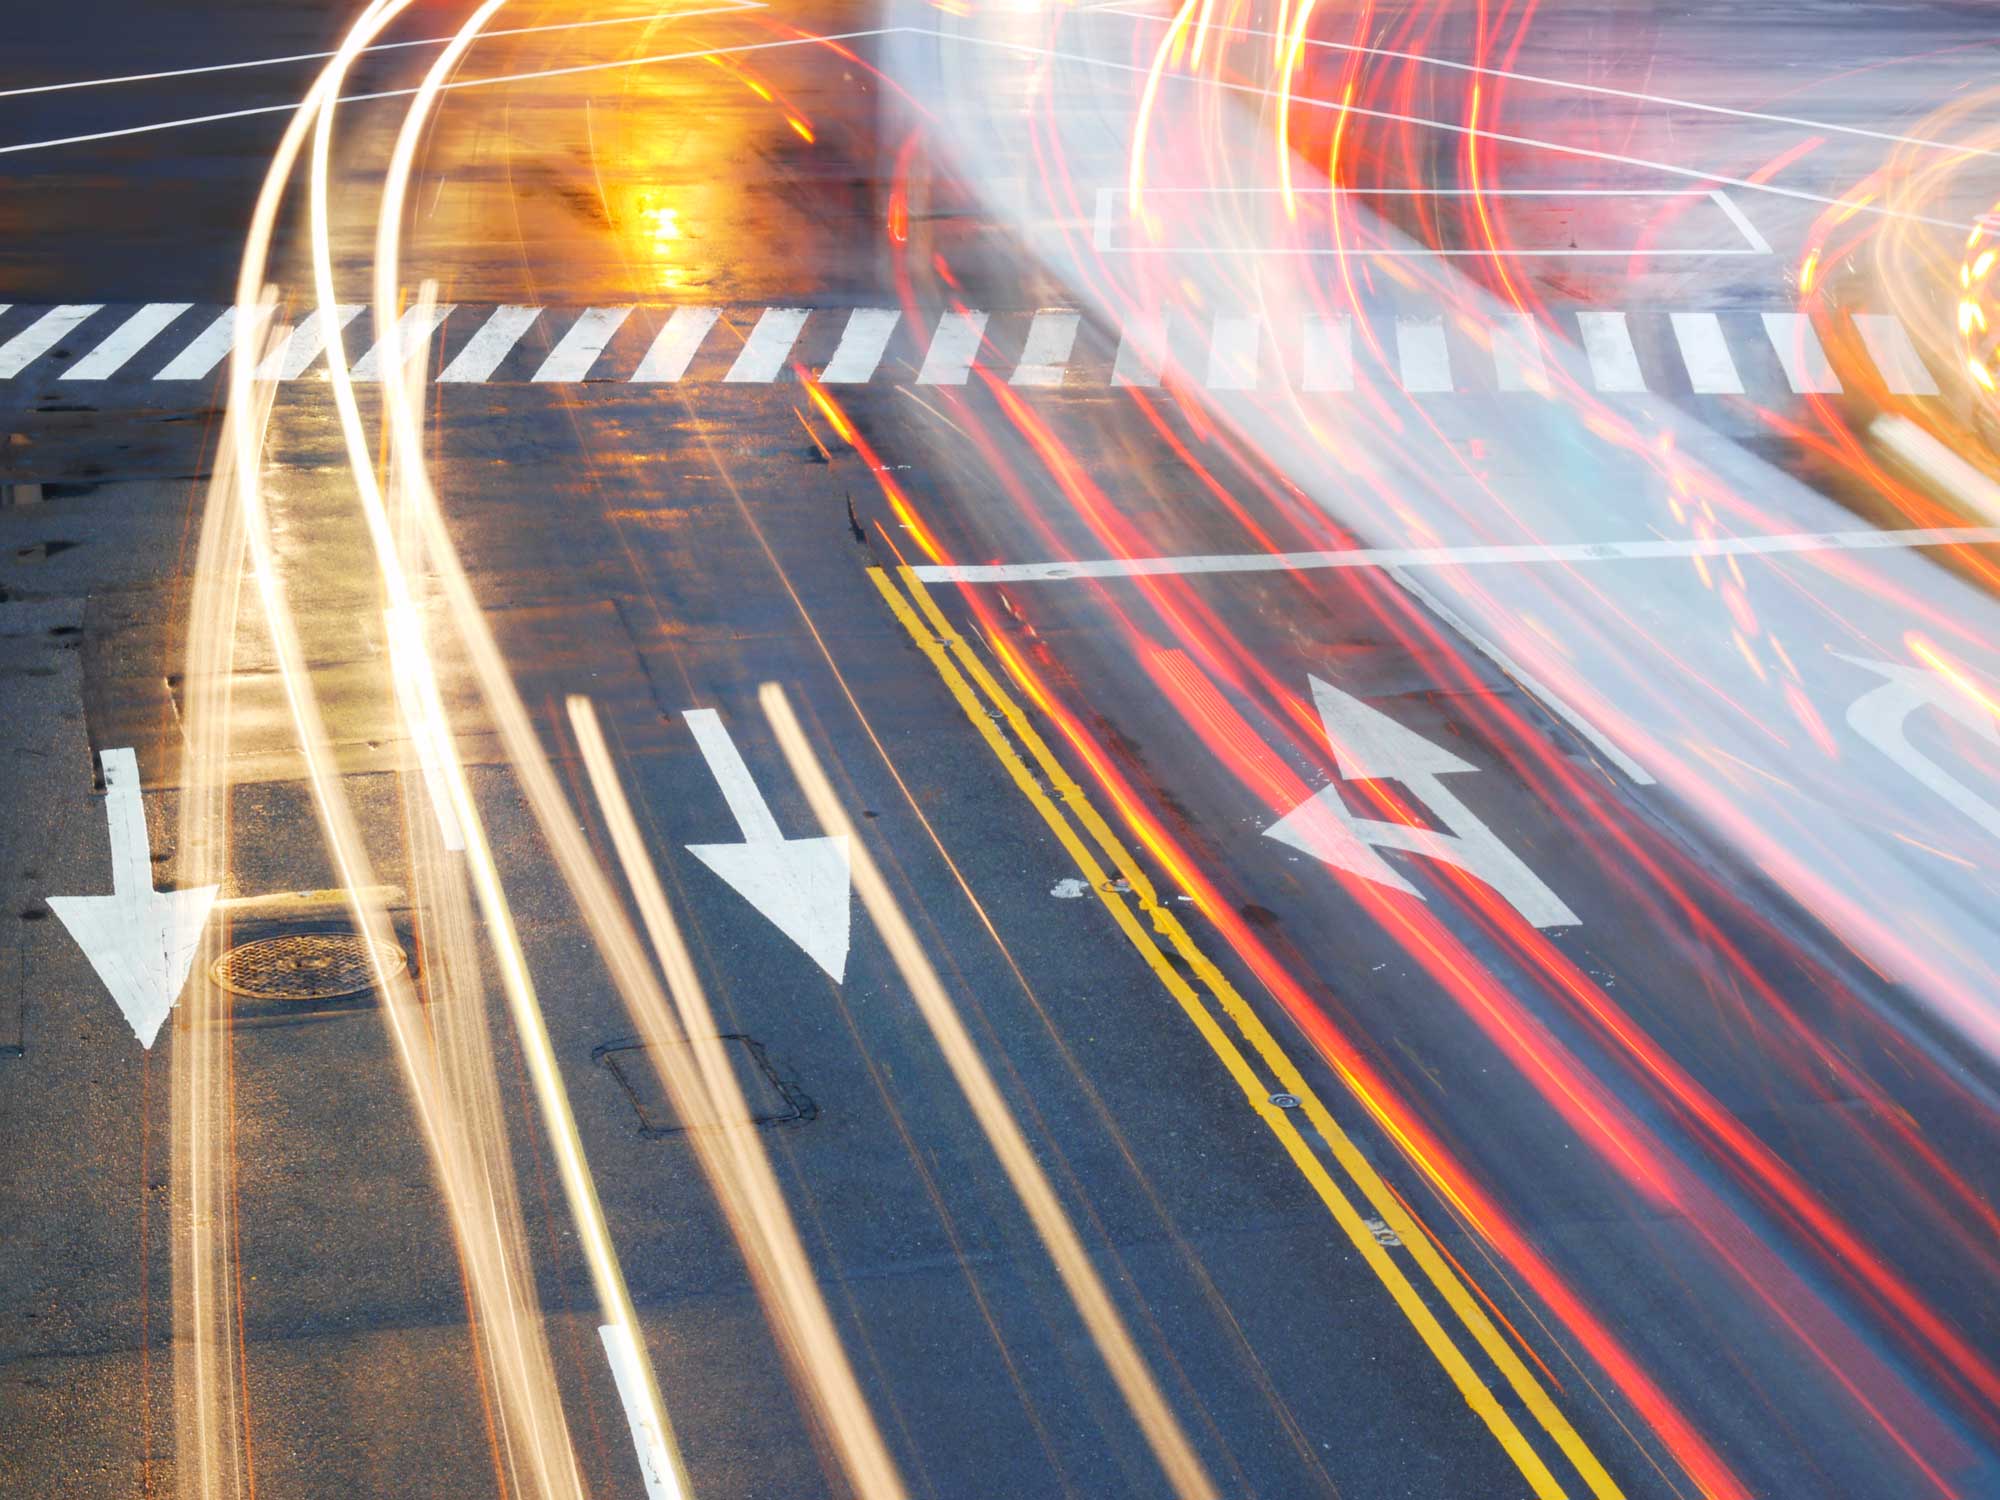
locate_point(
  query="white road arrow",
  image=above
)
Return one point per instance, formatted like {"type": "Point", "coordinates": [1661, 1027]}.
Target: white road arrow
{"type": "Point", "coordinates": [1370, 746]}
{"type": "Point", "coordinates": [802, 885]}
{"type": "Point", "coordinates": [141, 941]}
{"type": "Point", "coordinates": [1878, 716]}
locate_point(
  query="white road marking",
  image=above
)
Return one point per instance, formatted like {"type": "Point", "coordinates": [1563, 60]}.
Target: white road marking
{"type": "Point", "coordinates": [140, 941]}
{"type": "Point", "coordinates": [1878, 717]}
{"type": "Point", "coordinates": [491, 344]}
{"type": "Point", "coordinates": [1970, 486]}
{"type": "Point", "coordinates": [1711, 369]}
{"type": "Point", "coordinates": [578, 349]}
{"type": "Point", "coordinates": [954, 348]}
{"type": "Point", "coordinates": [413, 331]}
{"type": "Point", "coordinates": [621, 1347]}
{"type": "Point", "coordinates": [1888, 341]}
{"type": "Point", "coordinates": [862, 344]}
{"type": "Point", "coordinates": [1517, 354]}
{"type": "Point", "coordinates": [126, 340]}
{"type": "Point", "coordinates": [1758, 244]}
{"type": "Point", "coordinates": [769, 345]}
{"type": "Point", "coordinates": [42, 335]}
{"type": "Point", "coordinates": [803, 887]}
{"type": "Point", "coordinates": [1607, 343]}
{"type": "Point", "coordinates": [673, 349]}
{"type": "Point", "coordinates": [1329, 354]}
{"type": "Point", "coordinates": [1046, 354]}
{"type": "Point", "coordinates": [1423, 361]}
{"type": "Point", "coordinates": [1142, 352]}
{"type": "Point", "coordinates": [1368, 745]}
{"type": "Point", "coordinates": [304, 344]}
{"type": "Point", "coordinates": [1806, 365]}
{"type": "Point", "coordinates": [1232, 354]}
{"type": "Point", "coordinates": [1645, 549]}
{"type": "Point", "coordinates": [210, 348]}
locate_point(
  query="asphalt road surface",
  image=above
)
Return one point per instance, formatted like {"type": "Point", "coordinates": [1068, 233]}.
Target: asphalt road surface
{"type": "Point", "coordinates": [987, 750]}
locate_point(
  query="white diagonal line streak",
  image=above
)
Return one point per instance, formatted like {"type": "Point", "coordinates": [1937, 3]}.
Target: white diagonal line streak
{"type": "Point", "coordinates": [1807, 368]}
{"type": "Point", "coordinates": [675, 346]}
{"type": "Point", "coordinates": [953, 349]}
{"type": "Point", "coordinates": [210, 347]}
{"type": "Point", "coordinates": [1711, 370]}
{"type": "Point", "coordinates": [572, 358]}
{"type": "Point", "coordinates": [770, 343]}
{"type": "Point", "coordinates": [1903, 369]}
{"type": "Point", "coordinates": [413, 332]}
{"type": "Point", "coordinates": [1607, 344]}
{"type": "Point", "coordinates": [491, 344]}
{"type": "Point", "coordinates": [862, 343]}
{"type": "Point", "coordinates": [303, 345]}
{"type": "Point", "coordinates": [1046, 354]}
{"type": "Point", "coordinates": [42, 335]}
{"type": "Point", "coordinates": [126, 340]}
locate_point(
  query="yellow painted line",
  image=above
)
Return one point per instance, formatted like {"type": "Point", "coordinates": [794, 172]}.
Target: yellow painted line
{"type": "Point", "coordinates": [933, 634]}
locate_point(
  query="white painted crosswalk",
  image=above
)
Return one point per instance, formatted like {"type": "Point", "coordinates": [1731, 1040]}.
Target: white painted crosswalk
{"type": "Point", "coordinates": [1613, 352]}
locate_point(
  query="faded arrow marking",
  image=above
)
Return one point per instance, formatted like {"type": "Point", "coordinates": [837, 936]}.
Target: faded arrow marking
{"type": "Point", "coordinates": [1879, 714]}
{"type": "Point", "coordinates": [802, 886]}
{"type": "Point", "coordinates": [141, 941]}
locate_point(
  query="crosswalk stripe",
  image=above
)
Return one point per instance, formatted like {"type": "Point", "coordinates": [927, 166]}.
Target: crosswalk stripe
{"type": "Point", "coordinates": [674, 347]}
{"type": "Point", "coordinates": [1517, 355]}
{"type": "Point", "coordinates": [1711, 370]}
{"type": "Point", "coordinates": [1888, 341]}
{"type": "Point", "coordinates": [492, 343]}
{"type": "Point", "coordinates": [862, 343]}
{"type": "Point", "coordinates": [42, 335]}
{"type": "Point", "coordinates": [1421, 355]}
{"type": "Point", "coordinates": [578, 349]}
{"type": "Point", "coordinates": [1142, 350]}
{"type": "Point", "coordinates": [413, 329]}
{"type": "Point", "coordinates": [1607, 344]}
{"type": "Point", "coordinates": [1232, 354]}
{"type": "Point", "coordinates": [210, 348]}
{"type": "Point", "coordinates": [1328, 354]}
{"type": "Point", "coordinates": [1045, 355]}
{"type": "Point", "coordinates": [126, 340]}
{"type": "Point", "coordinates": [770, 343]}
{"type": "Point", "coordinates": [954, 347]}
{"type": "Point", "coordinates": [303, 345]}
{"type": "Point", "coordinates": [1806, 365]}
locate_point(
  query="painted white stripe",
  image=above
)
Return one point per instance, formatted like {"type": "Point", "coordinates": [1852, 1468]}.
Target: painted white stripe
{"type": "Point", "coordinates": [485, 350]}
{"type": "Point", "coordinates": [209, 349]}
{"type": "Point", "coordinates": [732, 775]}
{"type": "Point", "coordinates": [126, 340]}
{"type": "Point", "coordinates": [413, 330]}
{"type": "Point", "coordinates": [1758, 244]}
{"type": "Point", "coordinates": [1806, 365]}
{"type": "Point", "coordinates": [1517, 354]}
{"type": "Point", "coordinates": [1973, 488]}
{"type": "Point", "coordinates": [1645, 549]}
{"type": "Point", "coordinates": [42, 335]}
{"type": "Point", "coordinates": [954, 347]}
{"type": "Point", "coordinates": [1607, 343]}
{"type": "Point", "coordinates": [862, 343]}
{"type": "Point", "coordinates": [1889, 345]}
{"type": "Point", "coordinates": [655, 1463]}
{"type": "Point", "coordinates": [1142, 353]}
{"type": "Point", "coordinates": [578, 349]}
{"type": "Point", "coordinates": [303, 345]}
{"type": "Point", "coordinates": [1232, 355]}
{"type": "Point", "coordinates": [1710, 369]}
{"type": "Point", "coordinates": [1046, 354]}
{"type": "Point", "coordinates": [676, 344]}
{"type": "Point", "coordinates": [1424, 361]}
{"type": "Point", "coordinates": [1329, 354]}
{"type": "Point", "coordinates": [770, 343]}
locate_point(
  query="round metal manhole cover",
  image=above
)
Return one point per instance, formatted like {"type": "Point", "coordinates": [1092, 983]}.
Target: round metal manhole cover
{"type": "Point", "coordinates": [302, 966]}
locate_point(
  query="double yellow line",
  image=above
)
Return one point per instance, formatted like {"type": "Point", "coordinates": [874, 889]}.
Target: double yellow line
{"type": "Point", "coordinates": [1097, 850]}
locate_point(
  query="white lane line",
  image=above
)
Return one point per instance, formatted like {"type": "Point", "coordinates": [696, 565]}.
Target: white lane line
{"type": "Point", "coordinates": [1889, 345]}
{"type": "Point", "coordinates": [655, 1463]}
{"type": "Point", "coordinates": [862, 344]}
{"type": "Point", "coordinates": [413, 331]}
{"type": "Point", "coordinates": [1758, 244]}
{"type": "Point", "coordinates": [303, 345]}
{"type": "Point", "coordinates": [1142, 351]}
{"type": "Point", "coordinates": [1421, 356]}
{"type": "Point", "coordinates": [1645, 549]}
{"type": "Point", "coordinates": [578, 349]}
{"type": "Point", "coordinates": [1807, 368]}
{"type": "Point", "coordinates": [42, 335]}
{"type": "Point", "coordinates": [1607, 344]}
{"type": "Point", "coordinates": [209, 349]}
{"type": "Point", "coordinates": [953, 349]}
{"type": "Point", "coordinates": [1232, 355]}
{"type": "Point", "coordinates": [493, 342]}
{"type": "Point", "coordinates": [1329, 354]}
{"type": "Point", "coordinates": [1710, 368]}
{"type": "Point", "coordinates": [1046, 354]}
{"type": "Point", "coordinates": [126, 340]}
{"type": "Point", "coordinates": [676, 344]}
{"type": "Point", "coordinates": [1517, 355]}
{"type": "Point", "coordinates": [769, 345]}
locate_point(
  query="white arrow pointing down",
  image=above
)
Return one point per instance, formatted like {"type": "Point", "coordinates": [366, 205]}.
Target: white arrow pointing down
{"type": "Point", "coordinates": [802, 886]}
{"type": "Point", "coordinates": [141, 941]}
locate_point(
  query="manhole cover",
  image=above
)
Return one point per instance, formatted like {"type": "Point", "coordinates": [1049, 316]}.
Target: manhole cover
{"type": "Point", "coordinates": [302, 966]}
